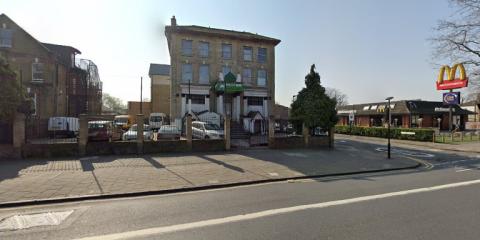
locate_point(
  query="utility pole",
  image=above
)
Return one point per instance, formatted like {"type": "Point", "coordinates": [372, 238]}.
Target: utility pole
{"type": "Point", "coordinates": [450, 116]}
{"type": "Point", "coordinates": [389, 119]}
{"type": "Point", "coordinates": [141, 95]}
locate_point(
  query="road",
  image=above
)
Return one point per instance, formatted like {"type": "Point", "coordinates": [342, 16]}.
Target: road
{"type": "Point", "coordinates": [437, 201]}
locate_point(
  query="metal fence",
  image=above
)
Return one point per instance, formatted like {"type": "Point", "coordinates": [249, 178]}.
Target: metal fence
{"type": "Point", "coordinates": [469, 136]}
{"type": "Point", "coordinates": [52, 130]}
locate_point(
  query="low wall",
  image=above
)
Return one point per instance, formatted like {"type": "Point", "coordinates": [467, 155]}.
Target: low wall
{"type": "Point", "coordinates": [50, 150]}
{"type": "Point", "coordinates": [287, 142]}
{"type": "Point", "coordinates": [208, 145]}
{"type": "Point", "coordinates": [319, 142]}
{"type": "Point", "coordinates": [165, 146]}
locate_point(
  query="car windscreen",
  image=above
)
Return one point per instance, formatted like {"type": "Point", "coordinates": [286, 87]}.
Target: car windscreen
{"type": "Point", "coordinates": [97, 125]}
{"type": "Point", "coordinates": [156, 119]}
{"type": "Point", "coordinates": [121, 120]}
{"type": "Point", "coordinates": [210, 126]}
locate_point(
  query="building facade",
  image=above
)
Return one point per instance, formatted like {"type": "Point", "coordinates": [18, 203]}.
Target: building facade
{"type": "Point", "coordinates": [49, 74]}
{"type": "Point", "coordinates": [160, 88]}
{"type": "Point", "coordinates": [406, 114]}
{"type": "Point", "coordinates": [228, 72]}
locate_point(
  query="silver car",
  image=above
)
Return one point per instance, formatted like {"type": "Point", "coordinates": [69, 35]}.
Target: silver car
{"type": "Point", "coordinates": [203, 130]}
{"type": "Point", "coordinates": [131, 134]}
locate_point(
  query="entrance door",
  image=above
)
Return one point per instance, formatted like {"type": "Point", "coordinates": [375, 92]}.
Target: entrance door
{"type": "Point", "coordinates": [6, 133]}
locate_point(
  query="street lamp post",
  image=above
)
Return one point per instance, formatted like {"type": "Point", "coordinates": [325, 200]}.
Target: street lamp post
{"type": "Point", "coordinates": [389, 119]}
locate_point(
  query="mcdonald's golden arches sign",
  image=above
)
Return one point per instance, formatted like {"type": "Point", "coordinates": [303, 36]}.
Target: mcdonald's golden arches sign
{"type": "Point", "coordinates": [452, 82]}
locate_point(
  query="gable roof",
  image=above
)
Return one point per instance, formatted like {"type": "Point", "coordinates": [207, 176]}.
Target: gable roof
{"type": "Point", "coordinates": [62, 52]}
{"type": "Point", "coordinates": [222, 32]}
{"type": "Point", "coordinates": [159, 69]}
{"type": "Point", "coordinates": [3, 15]}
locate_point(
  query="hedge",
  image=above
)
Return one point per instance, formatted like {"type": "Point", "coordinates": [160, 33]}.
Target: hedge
{"type": "Point", "coordinates": [421, 134]}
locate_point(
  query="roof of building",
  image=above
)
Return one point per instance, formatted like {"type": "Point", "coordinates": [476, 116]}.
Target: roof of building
{"type": "Point", "coordinates": [281, 112]}
{"type": "Point", "coordinates": [398, 107]}
{"type": "Point", "coordinates": [226, 33]}
{"type": "Point", "coordinates": [159, 69]}
{"type": "Point", "coordinates": [62, 52]}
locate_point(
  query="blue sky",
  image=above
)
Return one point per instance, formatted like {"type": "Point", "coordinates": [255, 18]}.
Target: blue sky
{"type": "Point", "coordinates": [367, 49]}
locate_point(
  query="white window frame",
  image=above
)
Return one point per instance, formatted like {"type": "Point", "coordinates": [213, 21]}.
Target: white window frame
{"type": "Point", "coordinates": [201, 50]}
{"type": "Point", "coordinates": [247, 81]}
{"type": "Point", "coordinates": [247, 48]}
{"type": "Point", "coordinates": [201, 80]}
{"type": "Point", "coordinates": [184, 48]}
{"type": "Point", "coordinates": [6, 42]}
{"type": "Point", "coordinates": [224, 52]}
{"type": "Point", "coordinates": [184, 80]}
{"type": "Point", "coordinates": [258, 78]}
{"type": "Point", "coordinates": [35, 71]}
{"type": "Point", "coordinates": [265, 56]}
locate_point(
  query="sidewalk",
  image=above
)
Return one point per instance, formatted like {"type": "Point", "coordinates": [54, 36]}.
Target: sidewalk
{"type": "Point", "coordinates": [32, 180]}
{"type": "Point", "coordinates": [470, 147]}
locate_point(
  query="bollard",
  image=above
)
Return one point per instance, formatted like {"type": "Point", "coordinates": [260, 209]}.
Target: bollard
{"type": "Point", "coordinates": [83, 135]}
{"type": "Point", "coordinates": [140, 138]}
{"type": "Point", "coordinates": [306, 135]}
{"type": "Point", "coordinates": [188, 132]}
{"type": "Point", "coordinates": [227, 133]}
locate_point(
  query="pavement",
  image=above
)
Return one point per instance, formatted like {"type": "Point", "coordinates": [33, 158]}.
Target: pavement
{"type": "Point", "coordinates": [34, 181]}
{"type": "Point", "coordinates": [435, 202]}
{"type": "Point", "coordinates": [468, 147]}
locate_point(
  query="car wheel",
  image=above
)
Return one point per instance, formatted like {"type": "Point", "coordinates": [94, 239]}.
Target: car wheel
{"type": "Point", "coordinates": [207, 137]}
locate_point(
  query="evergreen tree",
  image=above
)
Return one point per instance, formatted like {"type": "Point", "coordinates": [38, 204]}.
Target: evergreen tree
{"type": "Point", "coordinates": [312, 106]}
{"type": "Point", "coordinates": [12, 98]}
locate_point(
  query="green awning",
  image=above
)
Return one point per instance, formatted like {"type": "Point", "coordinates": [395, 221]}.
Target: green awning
{"type": "Point", "coordinates": [230, 83]}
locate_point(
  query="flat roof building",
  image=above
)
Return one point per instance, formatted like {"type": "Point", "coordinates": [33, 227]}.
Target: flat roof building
{"type": "Point", "coordinates": [405, 113]}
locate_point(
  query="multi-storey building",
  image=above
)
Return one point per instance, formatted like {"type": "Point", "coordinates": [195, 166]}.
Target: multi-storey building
{"type": "Point", "coordinates": [228, 72]}
{"type": "Point", "coordinates": [51, 75]}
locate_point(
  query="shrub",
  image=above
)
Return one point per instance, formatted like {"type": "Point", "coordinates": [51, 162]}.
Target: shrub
{"type": "Point", "coordinates": [421, 134]}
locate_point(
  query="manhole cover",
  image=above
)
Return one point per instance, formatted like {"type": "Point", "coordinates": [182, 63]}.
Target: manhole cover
{"type": "Point", "coordinates": [18, 222]}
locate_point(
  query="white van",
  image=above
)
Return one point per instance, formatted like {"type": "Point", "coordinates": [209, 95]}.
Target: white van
{"type": "Point", "coordinates": [63, 126]}
{"type": "Point", "coordinates": [156, 120]}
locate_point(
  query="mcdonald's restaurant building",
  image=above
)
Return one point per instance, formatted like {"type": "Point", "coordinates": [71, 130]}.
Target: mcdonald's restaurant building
{"type": "Point", "coordinates": [405, 114]}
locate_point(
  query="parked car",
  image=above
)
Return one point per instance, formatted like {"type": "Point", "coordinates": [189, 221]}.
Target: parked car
{"type": "Point", "coordinates": [203, 130]}
{"type": "Point", "coordinates": [63, 127]}
{"type": "Point", "coordinates": [168, 132]}
{"type": "Point", "coordinates": [103, 131]}
{"type": "Point", "coordinates": [156, 120]}
{"type": "Point", "coordinates": [123, 121]}
{"type": "Point", "coordinates": [131, 134]}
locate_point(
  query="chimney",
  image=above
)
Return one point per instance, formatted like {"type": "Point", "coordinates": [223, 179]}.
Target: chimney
{"type": "Point", "coordinates": [173, 21]}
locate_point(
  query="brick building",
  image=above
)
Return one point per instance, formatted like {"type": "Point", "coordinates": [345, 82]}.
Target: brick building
{"type": "Point", "coordinates": [223, 71]}
{"type": "Point", "coordinates": [51, 74]}
{"type": "Point", "coordinates": [406, 114]}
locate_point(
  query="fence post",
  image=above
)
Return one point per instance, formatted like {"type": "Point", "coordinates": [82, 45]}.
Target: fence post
{"type": "Point", "coordinates": [461, 136]}
{"type": "Point", "coordinates": [18, 134]}
{"type": "Point", "coordinates": [227, 133]}
{"type": "Point", "coordinates": [306, 135]}
{"type": "Point", "coordinates": [451, 136]}
{"type": "Point", "coordinates": [140, 139]}
{"type": "Point", "coordinates": [83, 135]}
{"type": "Point", "coordinates": [188, 132]}
{"type": "Point", "coordinates": [271, 130]}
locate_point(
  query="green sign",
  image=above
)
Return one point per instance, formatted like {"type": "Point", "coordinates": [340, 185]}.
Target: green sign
{"type": "Point", "coordinates": [230, 82]}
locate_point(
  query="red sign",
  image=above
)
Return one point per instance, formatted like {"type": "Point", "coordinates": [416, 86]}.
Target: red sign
{"type": "Point", "coordinates": [452, 84]}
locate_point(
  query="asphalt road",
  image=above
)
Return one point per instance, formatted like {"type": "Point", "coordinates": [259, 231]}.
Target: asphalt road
{"type": "Point", "coordinates": [437, 201]}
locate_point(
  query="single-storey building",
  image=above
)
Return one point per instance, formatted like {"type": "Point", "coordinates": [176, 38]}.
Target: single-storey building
{"type": "Point", "coordinates": [405, 113]}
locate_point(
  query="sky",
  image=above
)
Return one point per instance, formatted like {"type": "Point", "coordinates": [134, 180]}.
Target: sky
{"type": "Point", "coordinates": [367, 49]}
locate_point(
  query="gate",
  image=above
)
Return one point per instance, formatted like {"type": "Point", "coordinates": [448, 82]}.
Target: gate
{"type": "Point", "coordinates": [6, 132]}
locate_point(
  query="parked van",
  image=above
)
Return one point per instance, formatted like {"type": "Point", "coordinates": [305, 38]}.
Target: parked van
{"type": "Point", "coordinates": [63, 127]}
{"type": "Point", "coordinates": [157, 120]}
{"type": "Point", "coordinates": [123, 121]}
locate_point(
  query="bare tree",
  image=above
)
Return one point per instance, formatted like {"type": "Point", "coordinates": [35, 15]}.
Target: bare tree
{"type": "Point", "coordinates": [340, 97]}
{"type": "Point", "coordinates": [457, 39]}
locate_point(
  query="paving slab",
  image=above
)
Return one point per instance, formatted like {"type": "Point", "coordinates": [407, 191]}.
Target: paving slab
{"type": "Point", "coordinates": [24, 181]}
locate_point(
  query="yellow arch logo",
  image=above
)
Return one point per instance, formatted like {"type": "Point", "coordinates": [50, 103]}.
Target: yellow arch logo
{"type": "Point", "coordinates": [452, 82]}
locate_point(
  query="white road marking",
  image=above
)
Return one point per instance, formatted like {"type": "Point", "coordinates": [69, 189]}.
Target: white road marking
{"type": "Point", "coordinates": [273, 174]}
{"type": "Point", "coordinates": [455, 162]}
{"type": "Point", "coordinates": [249, 216]}
{"type": "Point", "coordinates": [463, 169]}
{"type": "Point", "coordinates": [24, 221]}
